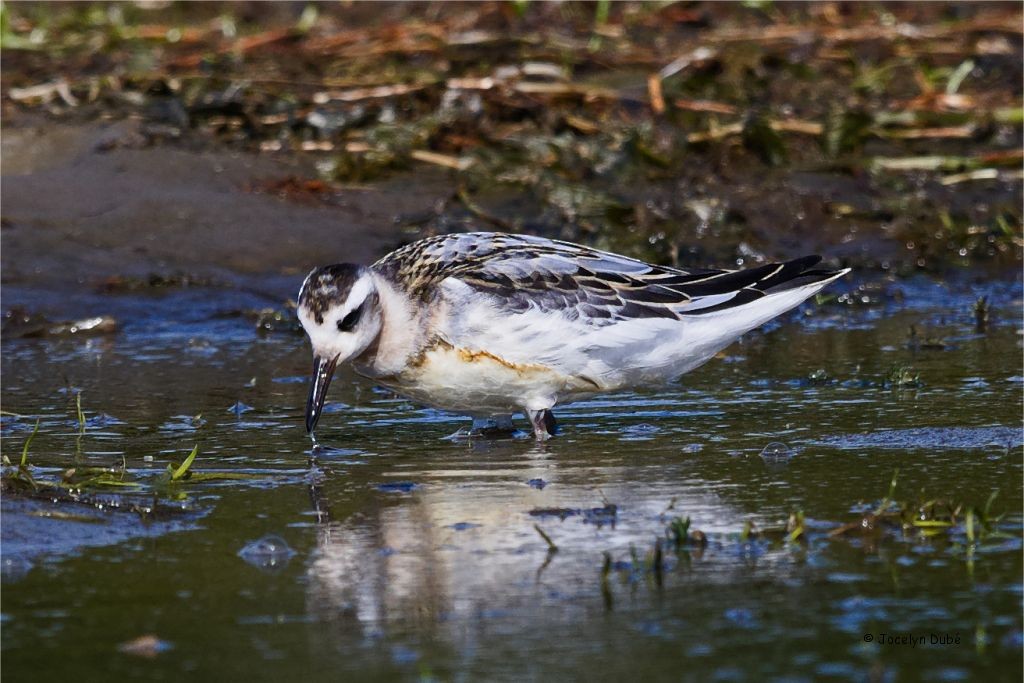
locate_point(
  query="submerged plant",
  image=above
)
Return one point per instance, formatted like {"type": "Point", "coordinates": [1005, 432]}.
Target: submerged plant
{"type": "Point", "coordinates": [981, 314]}
{"type": "Point", "coordinates": [819, 377]}
{"type": "Point", "coordinates": [795, 526]}
{"type": "Point", "coordinates": [884, 505]}
{"type": "Point", "coordinates": [901, 377]}
{"type": "Point", "coordinates": [552, 548]}
{"type": "Point", "coordinates": [926, 517]}
{"type": "Point", "coordinates": [606, 587]}
{"type": "Point", "coordinates": [183, 473]}
{"type": "Point", "coordinates": [21, 476]}
{"type": "Point", "coordinates": [966, 525]}
{"type": "Point", "coordinates": [81, 414]}
{"type": "Point", "coordinates": [679, 534]}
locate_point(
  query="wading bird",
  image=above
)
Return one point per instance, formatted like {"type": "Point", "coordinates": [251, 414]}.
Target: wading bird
{"type": "Point", "coordinates": [491, 324]}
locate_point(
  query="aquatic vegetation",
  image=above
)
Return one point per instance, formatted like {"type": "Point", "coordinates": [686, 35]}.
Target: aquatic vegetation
{"type": "Point", "coordinates": [28, 442]}
{"type": "Point", "coordinates": [177, 472]}
{"type": "Point", "coordinates": [605, 514]}
{"type": "Point", "coordinates": [113, 488]}
{"type": "Point", "coordinates": [981, 314]}
{"type": "Point", "coordinates": [818, 377]}
{"type": "Point", "coordinates": [21, 476]}
{"type": "Point", "coordinates": [184, 474]}
{"type": "Point", "coordinates": [680, 535]}
{"type": "Point", "coordinates": [552, 548]}
{"type": "Point", "coordinates": [892, 520]}
{"type": "Point", "coordinates": [927, 518]}
{"type": "Point", "coordinates": [926, 341]}
{"type": "Point", "coordinates": [80, 414]}
{"type": "Point", "coordinates": [901, 377]}
{"type": "Point", "coordinates": [795, 526]}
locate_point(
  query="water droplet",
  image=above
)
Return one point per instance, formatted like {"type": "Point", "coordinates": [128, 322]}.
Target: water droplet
{"type": "Point", "coordinates": [269, 553]}
{"type": "Point", "coordinates": [776, 452]}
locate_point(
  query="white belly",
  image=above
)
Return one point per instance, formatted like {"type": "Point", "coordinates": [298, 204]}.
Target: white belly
{"type": "Point", "coordinates": [480, 383]}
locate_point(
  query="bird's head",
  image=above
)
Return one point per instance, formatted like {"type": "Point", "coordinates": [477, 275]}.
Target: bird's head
{"type": "Point", "coordinates": [339, 308]}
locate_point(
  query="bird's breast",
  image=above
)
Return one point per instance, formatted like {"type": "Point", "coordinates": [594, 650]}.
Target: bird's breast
{"type": "Point", "coordinates": [477, 381]}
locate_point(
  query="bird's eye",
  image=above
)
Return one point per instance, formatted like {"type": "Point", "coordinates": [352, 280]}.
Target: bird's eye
{"type": "Point", "coordinates": [347, 323]}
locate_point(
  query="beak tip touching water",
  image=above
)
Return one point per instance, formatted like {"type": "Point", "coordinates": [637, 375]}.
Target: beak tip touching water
{"type": "Point", "coordinates": [323, 371]}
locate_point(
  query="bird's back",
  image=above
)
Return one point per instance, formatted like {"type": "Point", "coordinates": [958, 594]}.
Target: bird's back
{"type": "Point", "coordinates": [604, 320]}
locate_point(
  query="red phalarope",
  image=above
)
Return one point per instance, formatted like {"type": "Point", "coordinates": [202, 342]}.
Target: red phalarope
{"type": "Point", "coordinates": [490, 324]}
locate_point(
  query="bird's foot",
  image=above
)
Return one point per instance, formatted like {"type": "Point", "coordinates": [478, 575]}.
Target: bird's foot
{"type": "Point", "coordinates": [498, 427]}
{"type": "Point", "coordinates": [543, 423]}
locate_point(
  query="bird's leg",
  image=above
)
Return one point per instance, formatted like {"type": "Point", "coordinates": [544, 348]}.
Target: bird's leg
{"type": "Point", "coordinates": [543, 423]}
{"type": "Point", "coordinates": [503, 423]}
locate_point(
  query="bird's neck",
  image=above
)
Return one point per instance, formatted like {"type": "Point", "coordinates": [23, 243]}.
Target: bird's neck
{"type": "Point", "coordinates": [402, 333]}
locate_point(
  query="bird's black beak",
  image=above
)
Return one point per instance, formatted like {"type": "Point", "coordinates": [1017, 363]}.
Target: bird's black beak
{"type": "Point", "coordinates": [323, 371]}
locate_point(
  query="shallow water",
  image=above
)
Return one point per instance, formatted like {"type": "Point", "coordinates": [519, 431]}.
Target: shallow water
{"type": "Point", "coordinates": [416, 556]}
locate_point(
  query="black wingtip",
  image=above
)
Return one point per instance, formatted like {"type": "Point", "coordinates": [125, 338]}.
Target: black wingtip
{"type": "Point", "coordinates": [796, 273]}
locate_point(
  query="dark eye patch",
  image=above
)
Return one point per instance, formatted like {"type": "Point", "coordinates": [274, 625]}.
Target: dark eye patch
{"type": "Point", "coordinates": [347, 323]}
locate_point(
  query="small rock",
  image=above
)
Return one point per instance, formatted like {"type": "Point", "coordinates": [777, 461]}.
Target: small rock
{"type": "Point", "coordinates": [145, 646]}
{"type": "Point", "coordinates": [19, 323]}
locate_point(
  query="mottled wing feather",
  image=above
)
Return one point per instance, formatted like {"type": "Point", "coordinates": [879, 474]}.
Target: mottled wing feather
{"type": "Point", "coordinates": [523, 272]}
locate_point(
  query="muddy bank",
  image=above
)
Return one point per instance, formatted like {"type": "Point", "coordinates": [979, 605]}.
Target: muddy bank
{"type": "Point", "coordinates": [886, 138]}
{"type": "Point", "coordinates": [86, 202]}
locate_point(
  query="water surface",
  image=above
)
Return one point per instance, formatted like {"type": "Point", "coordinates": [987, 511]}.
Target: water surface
{"type": "Point", "coordinates": [416, 556]}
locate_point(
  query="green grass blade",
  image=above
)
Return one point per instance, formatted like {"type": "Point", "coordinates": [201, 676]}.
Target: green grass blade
{"type": "Point", "coordinates": [81, 415]}
{"type": "Point", "coordinates": [183, 468]}
{"type": "Point", "coordinates": [890, 495]}
{"type": "Point", "coordinates": [987, 513]}
{"type": "Point", "coordinates": [24, 450]}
